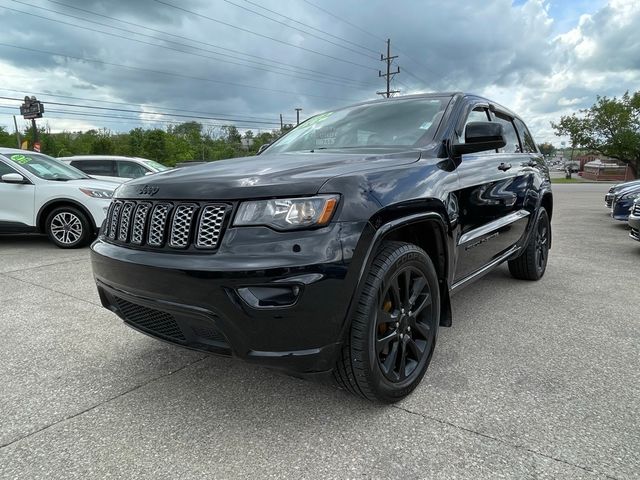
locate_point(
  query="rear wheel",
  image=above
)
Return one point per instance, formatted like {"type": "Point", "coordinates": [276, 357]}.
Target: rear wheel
{"type": "Point", "coordinates": [532, 263]}
{"type": "Point", "coordinates": [393, 332]}
{"type": "Point", "coordinates": [68, 227]}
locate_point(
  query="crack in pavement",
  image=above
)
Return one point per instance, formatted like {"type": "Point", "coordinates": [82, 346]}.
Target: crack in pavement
{"type": "Point", "coordinates": [500, 440]}
{"type": "Point", "coordinates": [96, 304]}
{"type": "Point", "coordinates": [44, 265]}
{"type": "Point", "coordinates": [104, 402]}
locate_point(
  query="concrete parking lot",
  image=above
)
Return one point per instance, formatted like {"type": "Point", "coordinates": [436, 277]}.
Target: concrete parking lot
{"type": "Point", "coordinates": [534, 380]}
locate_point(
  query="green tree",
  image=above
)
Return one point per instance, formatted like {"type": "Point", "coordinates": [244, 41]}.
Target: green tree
{"type": "Point", "coordinates": [611, 127]}
{"type": "Point", "coordinates": [547, 149]}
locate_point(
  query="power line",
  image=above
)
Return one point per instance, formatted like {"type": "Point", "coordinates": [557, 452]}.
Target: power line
{"type": "Point", "coordinates": [137, 25]}
{"type": "Point", "coordinates": [262, 35]}
{"type": "Point", "coordinates": [128, 120]}
{"type": "Point", "coordinates": [170, 74]}
{"type": "Point", "coordinates": [311, 27]}
{"type": "Point", "coordinates": [171, 48]}
{"type": "Point", "coordinates": [344, 21]}
{"type": "Point", "coordinates": [136, 104]}
{"type": "Point", "coordinates": [93, 107]}
{"type": "Point", "coordinates": [297, 29]}
{"type": "Point", "coordinates": [371, 35]}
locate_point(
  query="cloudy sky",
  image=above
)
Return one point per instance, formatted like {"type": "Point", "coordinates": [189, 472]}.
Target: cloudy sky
{"type": "Point", "coordinates": [143, 62]}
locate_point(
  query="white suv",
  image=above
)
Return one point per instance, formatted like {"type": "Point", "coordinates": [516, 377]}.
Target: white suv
{"type": "Point", "coordinates": [41, 194]}
{"type": "Point", "coordinates": [114, 168]}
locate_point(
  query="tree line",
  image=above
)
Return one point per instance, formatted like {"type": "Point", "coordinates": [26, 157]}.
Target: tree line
{"type": "Point", "coordinates": [187, 141]}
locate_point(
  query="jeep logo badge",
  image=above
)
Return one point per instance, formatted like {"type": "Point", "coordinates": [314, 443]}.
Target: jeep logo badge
{"type": "Point", "coordinates": [148, 190]}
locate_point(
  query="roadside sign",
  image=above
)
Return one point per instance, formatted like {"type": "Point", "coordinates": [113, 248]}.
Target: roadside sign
{"type": "Point", "coordinates": [36, 147]}
{"type": "Point", "coordinates": [31, 108]}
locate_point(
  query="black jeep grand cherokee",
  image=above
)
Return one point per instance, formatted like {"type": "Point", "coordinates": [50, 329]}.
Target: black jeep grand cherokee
{"type": "Point", "coordinates": [338, 248]}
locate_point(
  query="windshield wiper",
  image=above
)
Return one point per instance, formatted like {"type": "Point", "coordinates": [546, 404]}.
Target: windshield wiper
{"type": "Point", "coordinates": [59, 179]}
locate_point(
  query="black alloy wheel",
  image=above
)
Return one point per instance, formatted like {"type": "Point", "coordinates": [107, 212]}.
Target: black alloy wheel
{"type": "Point", "coordinates": [394, 328]}
{"type": "Point", "coordinates": [403, 332]}
{"type": "Point", "coordinates": [532, 262]}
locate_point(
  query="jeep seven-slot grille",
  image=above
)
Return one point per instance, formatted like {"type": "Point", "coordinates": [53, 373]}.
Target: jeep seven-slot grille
{"type": "Point", "coordinates": [636, 209]}
{"type": "Point", "coordinates": [174, 225]}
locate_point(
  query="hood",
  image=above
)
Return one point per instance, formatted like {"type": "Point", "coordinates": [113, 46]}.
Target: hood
{"type": "Point", "coordinates": [628, 189]}
{"type": "Point", "coordinates": [275, 175]}
{"type": "Point", "coordinates": [91, 183]}
{"type": "Point", "coordinates": [622, 186]}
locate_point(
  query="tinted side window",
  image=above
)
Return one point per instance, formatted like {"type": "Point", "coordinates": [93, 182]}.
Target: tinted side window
{"type": "Point", "coordinates": [478, 114]}
{"type": "Point", "coordinates": [94, 167]}
{"type": "Point", "coordinates": [528, 144]}
{"type": "Point", "coordinates": [130, 170]}
{"type": "Point", "coordinates": [4, 169]}
{"type": "Point", "coordinates": [510, 135]}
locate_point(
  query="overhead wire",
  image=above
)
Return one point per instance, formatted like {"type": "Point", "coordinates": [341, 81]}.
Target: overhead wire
{"type": "Point", "coordinates": [142, 105]}
{"type": "Point", "coordinates": [170, 74]}
{"type": "Point", "coordinates": [165, 114]}
{"type": "Point", "coordinates": [327, 82]}
{"type": "Point", "coordinates": [221, 22]}
{"type": "Point", "coordinates": [313, 28]}
{"type": "Point", "coordinates": [190, 39]}
{"type": "Point", "coordinates": [305, 32]}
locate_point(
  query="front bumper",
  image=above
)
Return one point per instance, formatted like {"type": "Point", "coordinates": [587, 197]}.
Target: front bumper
{"type": "Point", "coordinates": [634, 225]}
{"type": "Point", "coordinates": [199, 301]}
{"type": "Point", "coordinates": [621, 209]}
{"type": "Point", "coordinates": [608, 200]}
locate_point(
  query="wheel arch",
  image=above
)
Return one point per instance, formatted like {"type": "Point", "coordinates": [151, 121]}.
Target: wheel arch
{"type": "Point", "coordinates": [426, 229]}
{"type": "Point", "coordinates": [49, 206]}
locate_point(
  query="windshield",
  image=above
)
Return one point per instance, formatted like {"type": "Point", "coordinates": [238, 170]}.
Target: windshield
{"type": "Point", "coordinates": [158, 167]}
{"type": "Point", "coordinates": [45, 167]}
{"type": "Point", "coordinates": [402, 123]}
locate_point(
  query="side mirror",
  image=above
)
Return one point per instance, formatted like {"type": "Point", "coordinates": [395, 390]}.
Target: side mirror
{"type": "Point", "coordinates": [149, 173]}
{"type": "Point", "coordinates": [13, 178]}
{"type": "Point", "coordinates": [481, 136]}
{"type": "Point", "coordinates": [262, 148]}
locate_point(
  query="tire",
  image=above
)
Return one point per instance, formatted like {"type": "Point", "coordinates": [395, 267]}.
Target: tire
{"type": "Point", "coordinates": [383, 323]}
{"type": "Point", "coordinates": [532, 263]}
{"type": "Point", "coordinates": [68, 227]}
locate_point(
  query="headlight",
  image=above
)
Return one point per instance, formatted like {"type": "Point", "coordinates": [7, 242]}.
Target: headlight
{"type": "Point", "coordinates": [288, 213]}
{"type": "Point", "coordinates": [97, 192]}
{"type": "Point", "coordinates": [631, 196]}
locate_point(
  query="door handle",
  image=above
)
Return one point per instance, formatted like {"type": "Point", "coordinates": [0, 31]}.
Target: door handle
{"type": "Point", "coordinates": [504, 166]}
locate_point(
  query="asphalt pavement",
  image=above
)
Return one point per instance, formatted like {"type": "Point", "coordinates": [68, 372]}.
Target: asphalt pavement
{"type": "Point", "coordinates": [534, 380]}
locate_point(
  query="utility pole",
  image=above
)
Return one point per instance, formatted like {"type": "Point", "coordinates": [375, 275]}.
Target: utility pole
{"type": "Point", "coordinates": [389, 75]}
{"type": "Point", "coordinates": [298, 110]}
{"type": "Point", "coordinates": [281, 124]}
{"type": "Point", "coordinates": [15, 123]}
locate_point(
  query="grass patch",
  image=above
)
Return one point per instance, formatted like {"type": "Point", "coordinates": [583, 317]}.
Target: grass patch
{"type": "Point", "coordinates": [566, 180]}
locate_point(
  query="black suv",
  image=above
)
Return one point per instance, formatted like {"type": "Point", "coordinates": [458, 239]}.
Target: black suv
{"type": "Point", "coordinates": [338, 248]}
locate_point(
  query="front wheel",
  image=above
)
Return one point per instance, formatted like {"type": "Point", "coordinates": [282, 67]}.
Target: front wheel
{"type": "Point", "coordinates": [393, 332]}
{"type": "Point", "coordinates": [68, 227]}
{"type": "Point", "coordinates": [532, 263]}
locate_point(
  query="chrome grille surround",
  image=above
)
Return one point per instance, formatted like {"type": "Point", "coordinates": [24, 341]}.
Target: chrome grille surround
{"type": "Point", "coordinates": [140, 222]}
{"type": "Point", "coordinates": [125, 221]}
{"type": "Point", "coordinates": [115, 218]}
{"type": "Point", "coordinates": [181, 225]}
{"type": "Point", "coordinates": [158, 224]}
{"type": "Point", "coordinates": [167, 225]}
{"type": "Point", "coordinates": [210, 226]}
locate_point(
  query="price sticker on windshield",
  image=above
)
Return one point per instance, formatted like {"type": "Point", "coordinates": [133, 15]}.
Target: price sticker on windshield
{"type": "Point", "coordinates": [20, 159]}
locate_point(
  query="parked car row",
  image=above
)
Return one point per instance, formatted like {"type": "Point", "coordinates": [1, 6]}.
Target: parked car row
{"type": "Point", "coordinates": [624, 201]}
{"type": "Point", "coordinates": [67, 198]}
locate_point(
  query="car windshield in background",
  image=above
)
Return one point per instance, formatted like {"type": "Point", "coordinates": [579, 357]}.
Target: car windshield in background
{"type": "Point", "coordinates": [45, 167]}
{"type": "Point", "coordinates": [405, 123]}
{"type": "Point", "coordinates": [155, 166]}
